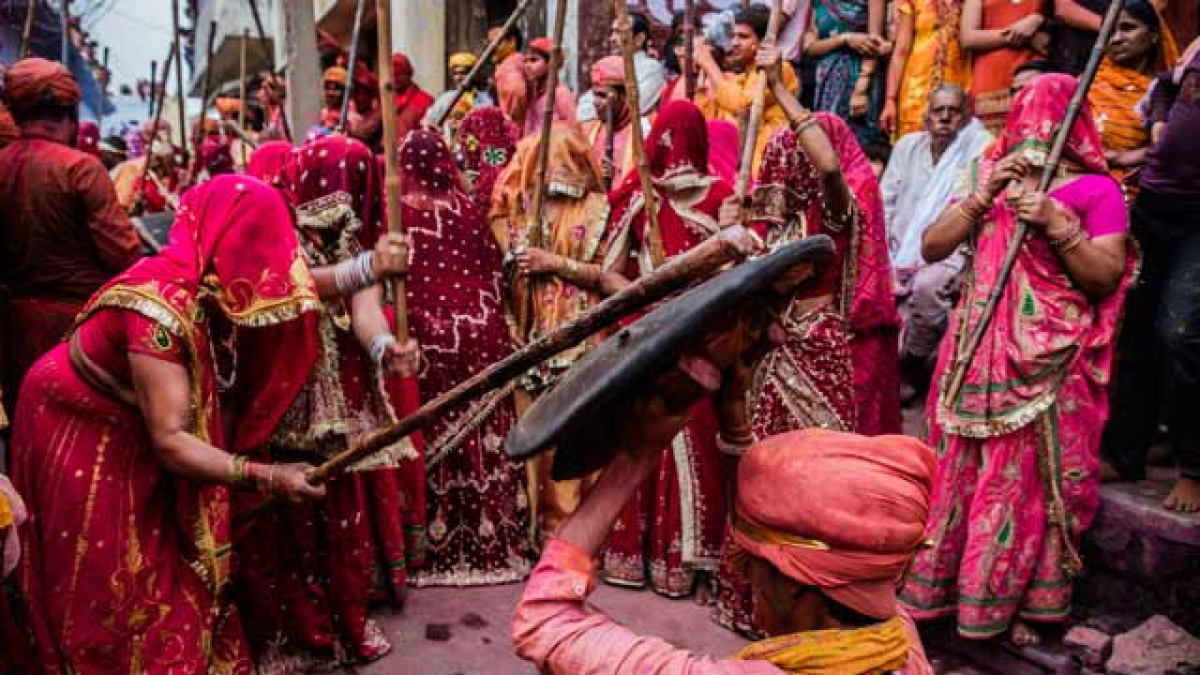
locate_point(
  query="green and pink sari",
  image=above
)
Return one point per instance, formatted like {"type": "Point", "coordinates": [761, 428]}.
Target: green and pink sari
{"type": "Point", "coordinates": [1018, 473]}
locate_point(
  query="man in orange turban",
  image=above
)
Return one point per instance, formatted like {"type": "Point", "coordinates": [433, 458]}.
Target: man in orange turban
{"type": "Point", "coordinates": [608, 94]}
{"type": "Point", "coordinates": [826, 523]}
{"type": "Point", "coordinates": [62, 232]}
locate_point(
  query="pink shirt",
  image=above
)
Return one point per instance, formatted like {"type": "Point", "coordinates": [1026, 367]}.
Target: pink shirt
{"type": "Point", "coordinates": [553, 629]}
{"type": "Point", "coordinates": [564, 110]}
{"type": "Point", "coordinates": [1099, 203]}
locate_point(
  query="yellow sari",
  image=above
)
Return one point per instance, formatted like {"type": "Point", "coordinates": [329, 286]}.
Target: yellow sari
{"type": "Point", "coordinates": [936, 58]}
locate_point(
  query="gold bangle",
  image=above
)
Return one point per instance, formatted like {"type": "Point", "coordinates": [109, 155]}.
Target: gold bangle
{"type": "Point", "coordinates": [237, 470]}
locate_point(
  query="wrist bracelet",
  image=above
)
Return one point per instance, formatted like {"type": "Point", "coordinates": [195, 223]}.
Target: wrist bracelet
{"type": "Point", "coordinates": [237, 470]}
{"type": "Point", "coordinates": [379, 346]}
{"type": "Point", "coordinates": [355, 274]}
{"type": "Point", "coordinates": [731, 448]}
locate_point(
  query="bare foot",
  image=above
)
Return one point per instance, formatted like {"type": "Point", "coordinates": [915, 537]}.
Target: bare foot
{"type": "Point", "coordinates": [1023, 635]}
{"type": "Point", "coordinates": [1185, 496]}
{"type": "Point", "coordinates": [1108, 474]}
{"type": "Point", "coordinates": [704, 591]}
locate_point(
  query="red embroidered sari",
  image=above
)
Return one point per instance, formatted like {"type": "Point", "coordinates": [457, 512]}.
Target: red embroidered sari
{"type": "Point", "coordinates": [125, 565]}
{"type": "Point", "coordinates": [487, 142]}
{"type": "Point", "coordinates": [311, 570]}
{"type": "Point", "coordinates": [673, 525]}
{"type": "Point", "coordinates": [478, 512]}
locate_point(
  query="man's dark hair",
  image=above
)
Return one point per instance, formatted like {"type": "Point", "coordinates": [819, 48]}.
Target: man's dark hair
{"type": "Point", "coordinates": [639, 25]}
{"type": "Point", "coordinates": [1041, 66]}
{"type": "Point", "coordinates": [514, 33]}
{"type": "Point", "coordinates": [755, 16]}
{"type": "Point", "coordinates": [877, 151]}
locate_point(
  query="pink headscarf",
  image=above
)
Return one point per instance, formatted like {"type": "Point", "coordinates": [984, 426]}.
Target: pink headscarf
{"type": "Point", "coordinates": [723, 150]}
{"type": "Point", "coordinates": [87, 139]}
{"type": "Point", "coordinates": [837, 511]}
{"type": "Point", "coordinates": [269, 161]}
{"type": "Point", "coordinates": [609, 70]}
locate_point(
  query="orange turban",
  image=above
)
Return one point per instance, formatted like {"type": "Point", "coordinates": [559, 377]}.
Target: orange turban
{"type": "Point", "coordinates": [609, 71]}
{"type": "Point", "coordinates": [543, 46]}
{"type": "Point", "coordinates": [837, 511]}
{"type": "Point", "coordinates": [335, 74]}
{"type": "Point", "coordinates": [228, 105]}
{"type": "Point", "coordinates": [8, 128]}
{"type": "Point", "coordinates": [35, 82]}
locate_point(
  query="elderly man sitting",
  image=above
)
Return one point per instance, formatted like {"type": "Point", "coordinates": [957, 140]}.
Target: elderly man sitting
{"type": "Point", "coordinates": [925, 173]}
{"type": "Point", "coordinates": [827, 522]}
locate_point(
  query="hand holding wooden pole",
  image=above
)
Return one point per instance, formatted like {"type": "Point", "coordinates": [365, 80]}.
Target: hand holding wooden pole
{"type": "Point", "coordinates": [270, 54]}
{"type": "Point", "coordinates": [634, 103]}
{"type": "Point", "coordinates": [482, 60]}
{"type": "Point", "coordinates": [750, 141]}
{"type": "Point", "coordinates": [962, 360]}
{"type": "Point", "coordinates": [391, 180]}
{"type": "Point", "coordinates": [533, 232]}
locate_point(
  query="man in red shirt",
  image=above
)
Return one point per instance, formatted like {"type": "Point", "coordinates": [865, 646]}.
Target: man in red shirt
{"type": "Point", "coordinates": [62, 232]}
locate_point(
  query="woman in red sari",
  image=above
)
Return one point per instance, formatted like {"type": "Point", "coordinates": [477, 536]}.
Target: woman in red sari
{"type": "Point", "coordinates": [269, 161]}
{"type": "Point", "coordinates": [310, 572]}
{"type": "Point", "coordinates": [487, 142]}
{"type": "Point", "coordinates": [867, 301]}
{"type": "Point", "coordinates": [809, 381]}
{"type": "Point", "coordinates": [673, 528]}
{"type": "Point", "coordinates": [1019, 449]}
{"type": "Point", "coordinates": [127, 557]}
{"type": "Point", "coordinates": [478, 511]}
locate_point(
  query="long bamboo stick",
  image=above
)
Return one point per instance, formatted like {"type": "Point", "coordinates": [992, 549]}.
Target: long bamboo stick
{"type": "Point", "coordinates": [27, 33]}
{"type": "Point", "coordinates": [689, 51]}
{"type": "Point", "coordinates": [610, 149]}
{"type": "Point", "coordinates": [183, 135]}
{"type": "Point", "coordinates": [160, 94]}
{"type": "Point", "coordinates": [242, 92]}
{"type": "Point", "coordinates": [352, 66]}
{"type": "Point", "coordinates": [730, 245]}
{"type": "Point", "coordinates": [484, 57]}
{"type": "Point", "coordinates": [391, 180]}
{"type": "Point", "coordinates": [65, 12]}
{"type": "Point", "coordinates": [153, 92]}
{"type": "Point", "coordinates": [749, 141]}
{"type": "Point", "coordinates": [533, 230]}
{"type": "Point", "coordinates": [634, 103]}
{"type": "Point", "coordinates": [262, 39]}
{"type": "Point", "coordinates": [103, 92]}
{"type": "Point", "coordinates": [963, 363]}
{"type": "Point", "coordinates": [205, 90]}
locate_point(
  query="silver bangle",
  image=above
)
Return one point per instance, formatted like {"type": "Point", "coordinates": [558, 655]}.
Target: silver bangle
{"type": "Point", "coordinates": [355, 274]}
{"type": "Point", "coordinates": [379, 346]}
{"type": "Point", "coordinates": [732, 449]}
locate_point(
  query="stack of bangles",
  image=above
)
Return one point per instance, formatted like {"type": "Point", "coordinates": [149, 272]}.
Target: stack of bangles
{"type": "Point", "coordinates": [243, 472]}
{"type": "Point", "coordinates": [735, 442]}
{"type": "Point", "coordinates": [1071, 240]}
{"type": "Point", "coordinates": [974, 207]}
{"type": "Point", "coordinates": [580, 274]}
{"type": "Point", "coordinates": [354, 274]}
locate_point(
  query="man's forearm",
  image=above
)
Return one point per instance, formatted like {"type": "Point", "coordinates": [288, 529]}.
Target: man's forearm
{"type": "Point", "coordinates": [588, 528]}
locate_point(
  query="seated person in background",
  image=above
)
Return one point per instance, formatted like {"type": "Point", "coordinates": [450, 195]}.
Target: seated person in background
{"type": "Point", "coordinates": [651, 76]}
{"type": "Point", "coordinates": [1141, 47]}
{"type": "Point", "coordinates": [925, 170]}
{"type": "Point", "coordinates": [827, 521]}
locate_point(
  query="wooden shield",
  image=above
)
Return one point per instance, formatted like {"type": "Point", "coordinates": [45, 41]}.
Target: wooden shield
{"type": "Point", "coordinates": [579, 416]}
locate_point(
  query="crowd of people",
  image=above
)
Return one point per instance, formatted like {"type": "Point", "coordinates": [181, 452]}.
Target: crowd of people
{"type": "Point", "coordinates": [165, 403]}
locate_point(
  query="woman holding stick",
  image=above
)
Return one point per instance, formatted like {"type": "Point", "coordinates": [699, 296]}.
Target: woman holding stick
{"type": "Point", "coordinates": [1018, 480]}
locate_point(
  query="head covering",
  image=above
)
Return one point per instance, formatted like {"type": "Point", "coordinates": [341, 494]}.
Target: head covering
{"type": "Point", "coordinates": [269, 161]}
{"type": "Point", "coordinates": [336, 74]}
{"type": "Point", "coordinates": [837, 511]}
{"type": "Point", "coordinates": [228, 105]}
{"type": "Point", "coordinates": [402, 71]}
{"type": "Point", "coordinates": [87, 139]}
{"type": "Point", "coordinates": [873, 304]}
{"type": "Point", "coordinates": [35, 82]}
{"type": "Point", "coordinates": [462, 60]}
{"type": "Point", "coordinates": [1034, 119]}
{"type": "Point", "coordinates": [366, 87]}
{"type": "Point", "coordinates": [8, 127]}
{"type": "Point", "coordinates": [215, 156]}
{"type": "Point", "coordinates": [723, 149]}
{"type": "Point", "coordinates": [164, 128]}
{"type": "Point", "coordinates": [543, 46]}
{"type": "Point", "coordinates": [609, 71]}
{"type": "Point", "coordinates": [336, 188]}
{"type": "Point", "coordinates": [487, 140]}
{"type": "Point", "coordinates": [426, 165]}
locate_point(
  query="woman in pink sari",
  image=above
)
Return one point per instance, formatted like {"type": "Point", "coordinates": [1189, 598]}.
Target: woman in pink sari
{"type": "Point", "coordinates": [723, 150]}
{"type": "Point", "coordinates": [673, 527]}
{"type": "Point", "coordinates": [867, 302]}
{"type": "Point", "coordinates": [269, 161]}
{"type": "Point", "coordinates": [1018, 475]}
{"type": "Point", "coordinates": [311, 571]}
{"type": "Point", "coordinates": [116, 446]}
{"type": "Point", "coordinates": [478, 510]}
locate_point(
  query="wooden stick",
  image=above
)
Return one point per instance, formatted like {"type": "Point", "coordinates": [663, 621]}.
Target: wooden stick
{"type": "Point", "coordinates": [262, 38]}
{"type": "Point", "coordinates": [65, 12]}
{"type": "Point", "coordinates": [242, 92]}
{"type": "Point", "coordinates": [484, 57]}
{"type": "Point", "coordinates": [634, 103]}
{"type": "Point", "coordinates": [153, 91]}
{"type": "Point", "coordinates": [533, 230]}
{"type": "Point", "coordinates": [689, 51]}
{"type": "Point", "coordinates": [352, 66]}
{"type": "Point", "coordinates": [749, 142]}
{"type": "Point", "coordinates": [610, 150]}
{"type": "Point", "coordinates": [27, 33]}
{"type": "Point", "coordinates": [205, 90]}
{"type": "Point", "coordinates": [183, 135]}
{"type": "Point", "coordinates": [730, 245]}
{"type": "Point", "coordinates": [139, 204]}
{"type": "Point", "coordinates": [391, 180]}
{"type": "Point", "coordinates": [959, 374]}
{"type": "Point", "coordinates": [103, 93]}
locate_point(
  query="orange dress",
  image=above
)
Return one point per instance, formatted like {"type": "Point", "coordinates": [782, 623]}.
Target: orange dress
{"type": "Point", "coordinates": [994, 69]}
